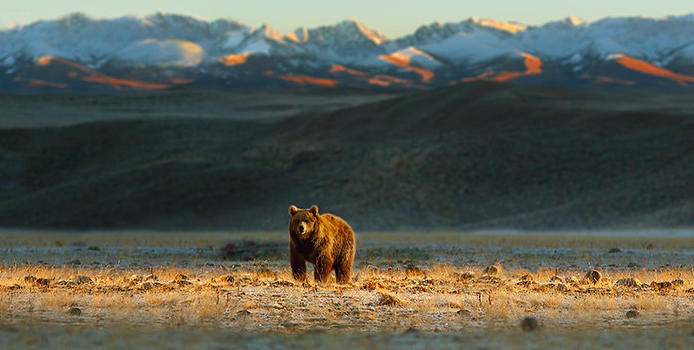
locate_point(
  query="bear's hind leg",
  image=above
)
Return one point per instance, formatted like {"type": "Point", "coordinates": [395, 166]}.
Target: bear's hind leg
{"type": "Point", "coordinates": [343, 271]}
{"type": "Point", "coordinates": [342, 274]}
{"type": "Point", "coordinates": [322, 270]}
{"type": "Point", "coordinates": [343, 268]}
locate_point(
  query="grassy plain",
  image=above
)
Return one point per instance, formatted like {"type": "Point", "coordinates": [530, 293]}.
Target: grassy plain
{"type": "Point", "coordinates": [428, 290]}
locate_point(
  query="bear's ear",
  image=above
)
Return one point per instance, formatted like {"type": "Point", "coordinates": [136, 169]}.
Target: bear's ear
{"type": "Point", "coordinates": [292, 210]}
{"type": "Point", "coordinates": [314, 210]}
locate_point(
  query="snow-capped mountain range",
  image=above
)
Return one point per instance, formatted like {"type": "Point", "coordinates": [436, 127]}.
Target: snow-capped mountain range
{"type": "Point", "coordinates": [164, 50]}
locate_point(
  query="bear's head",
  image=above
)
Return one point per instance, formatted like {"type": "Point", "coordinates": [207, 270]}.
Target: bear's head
{"type": "Point", "coordinates": [303, 222]}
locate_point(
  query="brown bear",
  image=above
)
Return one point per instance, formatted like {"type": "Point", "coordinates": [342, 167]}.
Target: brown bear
{"type": "Point", "coordinates": [326, 241]}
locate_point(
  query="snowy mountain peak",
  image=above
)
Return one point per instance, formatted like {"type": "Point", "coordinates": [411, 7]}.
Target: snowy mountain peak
{"type": "Point", "coordinates": [373, 35]}
{"type": "Point", "coordinates": [511, 27]}
{"type": "Point", "coordinates": [176, 20]}
{"type": "Point", "coordinates": [299, 35]}
{"type": "Point", "coordinates": [266, 31]}
{"type": "Point", "coordinates": [575, 21]}
{"type": "Point", "coordinates": [222, 26]}
{"type": "Point", "coordinates": [75, 19]}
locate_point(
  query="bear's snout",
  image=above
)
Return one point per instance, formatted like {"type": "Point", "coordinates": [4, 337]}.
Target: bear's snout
{"type": "Point", "coordinates": [302, 229]}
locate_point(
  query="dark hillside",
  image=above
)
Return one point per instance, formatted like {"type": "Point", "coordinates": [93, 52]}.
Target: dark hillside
{"type": "Point", "coordinates": [477, 155]}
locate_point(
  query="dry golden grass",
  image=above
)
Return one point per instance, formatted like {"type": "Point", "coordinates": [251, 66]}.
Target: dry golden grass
{"type": "Point", "coordinates": [426, 282]}
{"type": "Point", "coordinates": [445, 297]}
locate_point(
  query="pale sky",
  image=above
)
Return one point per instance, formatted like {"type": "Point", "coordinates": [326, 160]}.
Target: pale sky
{"type": "Point", "coordinates": [394, 18]}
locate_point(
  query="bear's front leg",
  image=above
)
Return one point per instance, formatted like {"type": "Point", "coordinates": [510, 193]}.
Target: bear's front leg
{"type": "Point", "coordinates": [298, 265]}
{"type": "Point", "coordinates": [322, 270]}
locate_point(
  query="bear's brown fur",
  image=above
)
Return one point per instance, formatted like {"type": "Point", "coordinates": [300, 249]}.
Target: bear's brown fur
{"type": "Point", "coordinates": [326, 241]}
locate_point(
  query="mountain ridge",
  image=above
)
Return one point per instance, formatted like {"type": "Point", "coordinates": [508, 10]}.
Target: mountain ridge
{"type": "Point", "coordinates": [167, 50]}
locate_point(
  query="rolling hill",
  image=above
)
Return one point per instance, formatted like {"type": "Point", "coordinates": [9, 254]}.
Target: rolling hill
{"type": "Point", "coordinates": [475, 155]}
